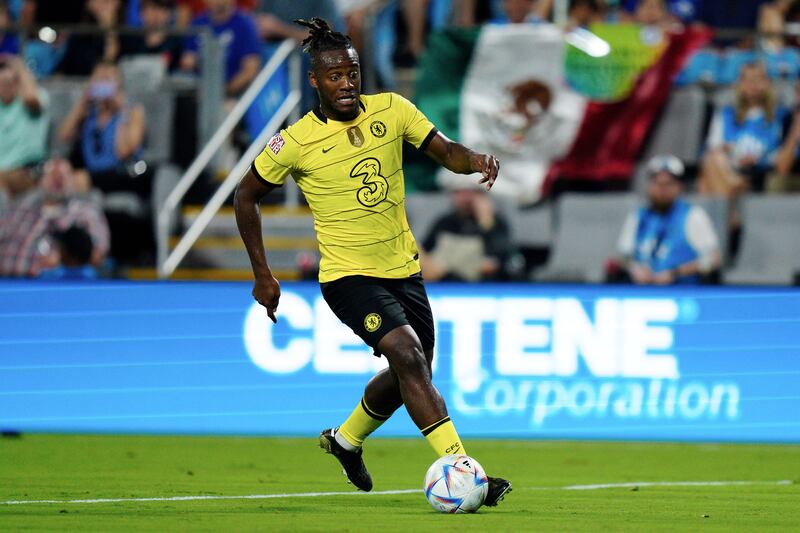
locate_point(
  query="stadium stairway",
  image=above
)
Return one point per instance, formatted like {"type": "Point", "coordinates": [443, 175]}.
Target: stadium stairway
{"type": "Point", "coordinates": [219, 253]}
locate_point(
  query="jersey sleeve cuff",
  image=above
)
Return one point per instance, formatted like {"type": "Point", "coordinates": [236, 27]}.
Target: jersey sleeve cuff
{"type": "Point", "coordinates": [428, 139]}
{"type": "Point", "coordinates": [262, 178]}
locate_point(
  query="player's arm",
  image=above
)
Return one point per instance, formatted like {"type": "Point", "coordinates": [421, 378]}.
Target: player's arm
{"type": "Point", "coordinates": [459, 159]}
{"type": "Point", "coordinates": [249, 192]}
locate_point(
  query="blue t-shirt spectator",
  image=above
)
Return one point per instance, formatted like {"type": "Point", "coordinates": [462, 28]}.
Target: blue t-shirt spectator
{"type": "Point", "coordinates": [757, 136]}
{"type": "Point", "coordinates": [239, 36]}
{"type": "Point", "coordinates": [666, 240]}
{"type": "Point", "coordinates": [98, 144]}
{"type": "Point", "coordinates": [9, 44]}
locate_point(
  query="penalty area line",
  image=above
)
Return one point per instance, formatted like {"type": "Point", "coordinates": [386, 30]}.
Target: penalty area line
{"type": "Point", "coordinates": [209, 497]}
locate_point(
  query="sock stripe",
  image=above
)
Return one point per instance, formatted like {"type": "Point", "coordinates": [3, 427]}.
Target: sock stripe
{"type": "Point", "coordinates": [428, 430]}
{"type": "Point", "coordinates": [372, 413]}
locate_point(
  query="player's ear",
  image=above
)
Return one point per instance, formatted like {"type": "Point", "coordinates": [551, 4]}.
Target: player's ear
{"type": "Point", "coordinates": [312, 79]}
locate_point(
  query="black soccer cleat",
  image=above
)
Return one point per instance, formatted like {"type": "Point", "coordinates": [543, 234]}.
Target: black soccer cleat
{"type": "Point", "coordinates": [498, 488]}
{"type": "Point", "coordinates": [352, 463]}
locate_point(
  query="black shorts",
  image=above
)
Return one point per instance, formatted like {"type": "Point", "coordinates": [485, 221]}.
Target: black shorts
{"type": "Point", "coordinates": [372, 307]}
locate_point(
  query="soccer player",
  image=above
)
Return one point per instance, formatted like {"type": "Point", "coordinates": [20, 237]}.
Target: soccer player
{"type": "Point", "coordinates": [346, 157]}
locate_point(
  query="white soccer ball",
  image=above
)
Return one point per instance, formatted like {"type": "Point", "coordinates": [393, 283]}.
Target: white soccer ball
{"type": "Point", "coordinates": [456, 484]}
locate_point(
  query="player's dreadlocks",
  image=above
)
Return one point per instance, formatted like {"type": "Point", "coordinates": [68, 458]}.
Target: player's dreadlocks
{"type": "Point", "coordinates": [322, 38]}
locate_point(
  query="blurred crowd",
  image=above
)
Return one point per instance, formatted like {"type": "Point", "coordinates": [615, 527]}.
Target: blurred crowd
{"type": "Point", "coordinates": [53, 221]}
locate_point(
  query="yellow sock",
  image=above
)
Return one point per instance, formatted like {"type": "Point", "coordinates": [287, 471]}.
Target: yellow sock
{"type": "Point", "coordinates": [443, 438]}
{"type": "Point", "coordinates": [361, 422]}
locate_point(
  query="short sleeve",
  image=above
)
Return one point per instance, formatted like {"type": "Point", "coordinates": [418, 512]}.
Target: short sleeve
{"type": "Point", "coordinates": [415, 127]}
{"type": "Point", "coordinates": [700, 232]}
{"type": "Point", "coordinates": [277, 159]}
{"type": "Point", "coordinates": [249, 43]}
{"type": "Point", "coordinates": [626, 243]}
{"type": "Point", "coordinates": [715, 132]}
{"type": "Point", "coordinates": [191, 43]}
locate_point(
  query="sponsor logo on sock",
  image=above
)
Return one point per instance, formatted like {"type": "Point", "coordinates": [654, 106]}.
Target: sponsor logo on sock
{"type": "Point", "coordinates": [453, 448]}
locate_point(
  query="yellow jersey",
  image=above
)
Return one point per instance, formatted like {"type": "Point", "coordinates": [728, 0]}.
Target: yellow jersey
{"type": "Point", "coordinates": [351, 174]}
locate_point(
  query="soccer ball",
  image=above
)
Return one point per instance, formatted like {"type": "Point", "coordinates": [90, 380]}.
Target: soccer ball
{"type": "Point", "coordinates": [456, 484]}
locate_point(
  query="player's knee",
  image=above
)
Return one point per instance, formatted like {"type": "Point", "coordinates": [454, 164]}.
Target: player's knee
{"type": "Point", "coordinates": [408, 359]}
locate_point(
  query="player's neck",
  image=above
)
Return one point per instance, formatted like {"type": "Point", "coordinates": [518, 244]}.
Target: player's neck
{"type": "Point", "coordinates": [338, 117]}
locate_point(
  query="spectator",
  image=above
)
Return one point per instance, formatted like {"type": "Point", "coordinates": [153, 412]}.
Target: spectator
{"type": "Point", "coordinates": [23, 123]}
{"type": "Point", "coordinates": [188, 10]}
{"type": "Point", "coordinates": [471, 13]}
{"type": "Point", "coordinates": [48, 12]}
{"type": "Point", "coordinates": [744, 137]}
{"type": "Point", "coordinates": [518, 12]}
{"type": "Point", "coordinates": [669, 241]}
{"type": "Point", "coordinates": [786, 162]}
{"type": "Point", "coordinates": [726, 14]}
{"type": "Point", "coordinates": [8, 41]}
{"type": "Point", "coordinates": [156, 17]}
{"type": "Point", "coordinates": [275, 19]}
{"type": "Point", "coordinates": [72, 256]}
{"type": "Point", "coordinates": [582, 13]}
{"type": "Point", "coordinates": [471, 243]}
{"type": "Point", "coordinates": [355, 14]}
{"type": "Point", "coordinates": [651, 13]}
{"type": "Point", "coordinates": [686, 11]}
{"type": "Point", "coordinates": [108, 133]}
{"type": "Point", "coordinates": [243, 48]}
{"type": "Point", "coordinates": [25, 243]}
{"type": "Point", "coordinates": [782, 61]}
{"type": "Point", "coordinates": [84, 51]}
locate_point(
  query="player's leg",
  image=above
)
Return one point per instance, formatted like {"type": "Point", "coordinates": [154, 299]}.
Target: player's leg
{"type": "Point", "coordinates": [424, 404]}
{"type": "Point", "coordinates": [414, 299]}
{"type": "Point", "coordinates": [367, 307]}
{"type": "Point", "coordinates": [381, 399]}
{"type": "Point", "coordinates": [383, 390]}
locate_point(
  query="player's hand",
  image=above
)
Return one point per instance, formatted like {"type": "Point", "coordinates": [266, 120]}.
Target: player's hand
{"type": "Point", "coordinates": [267, 292]}
{"type": "Point", "coordinates": [488, 166]}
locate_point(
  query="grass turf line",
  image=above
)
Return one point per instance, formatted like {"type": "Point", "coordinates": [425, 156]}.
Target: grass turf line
{"type": "Point", "coordinates": [38, 467]}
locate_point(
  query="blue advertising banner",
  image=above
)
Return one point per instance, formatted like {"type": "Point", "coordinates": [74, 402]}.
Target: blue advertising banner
{"type": "Point", "coordinates": [605, 362]}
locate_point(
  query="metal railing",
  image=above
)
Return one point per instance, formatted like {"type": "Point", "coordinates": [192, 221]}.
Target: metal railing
{"type": "Point", "coordinates": [168, 261]}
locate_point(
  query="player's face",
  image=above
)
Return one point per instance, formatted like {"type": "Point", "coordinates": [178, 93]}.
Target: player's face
{"type": "Point", "coordinates": [337, 80]}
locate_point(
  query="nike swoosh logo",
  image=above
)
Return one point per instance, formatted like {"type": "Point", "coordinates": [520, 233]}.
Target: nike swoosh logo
{"type": "Point", "coordinates": [326, 150]}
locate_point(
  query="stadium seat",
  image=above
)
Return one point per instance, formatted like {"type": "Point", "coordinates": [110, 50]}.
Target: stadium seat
{"type": "Point", "coordinates": [587, 229]}
{"type": "Point", "coordinates": [532, 227]}
{"type": "Point", "coordinates": [704, 66]}
{"type": "Point", "coordinates": [159, 111]}
{"type": "Point", "coordinates": [770, 253]}
{"type": "Point", "coordinates": [422, 210]}
{"type": "Point", "coordinates": [732, 62]}
{"type": "Point", "coordinates": [680, 130]}
{"type": "Point", "coordinates": [63, 94]}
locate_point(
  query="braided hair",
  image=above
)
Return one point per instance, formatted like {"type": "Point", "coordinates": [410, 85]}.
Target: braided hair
{"type": "Point", "coordinates": [322, 38]}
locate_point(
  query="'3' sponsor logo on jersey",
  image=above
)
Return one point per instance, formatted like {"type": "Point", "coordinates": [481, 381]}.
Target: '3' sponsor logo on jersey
{"type": "Point", "coordinates": [376, 187]}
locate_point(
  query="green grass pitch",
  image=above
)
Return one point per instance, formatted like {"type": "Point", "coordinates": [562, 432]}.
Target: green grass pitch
{"type": "Point", "coordinates": [54, 467]}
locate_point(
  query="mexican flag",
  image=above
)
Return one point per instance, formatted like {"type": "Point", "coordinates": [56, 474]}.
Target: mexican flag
{"type": "Point", "coordinates": [550, 105]}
